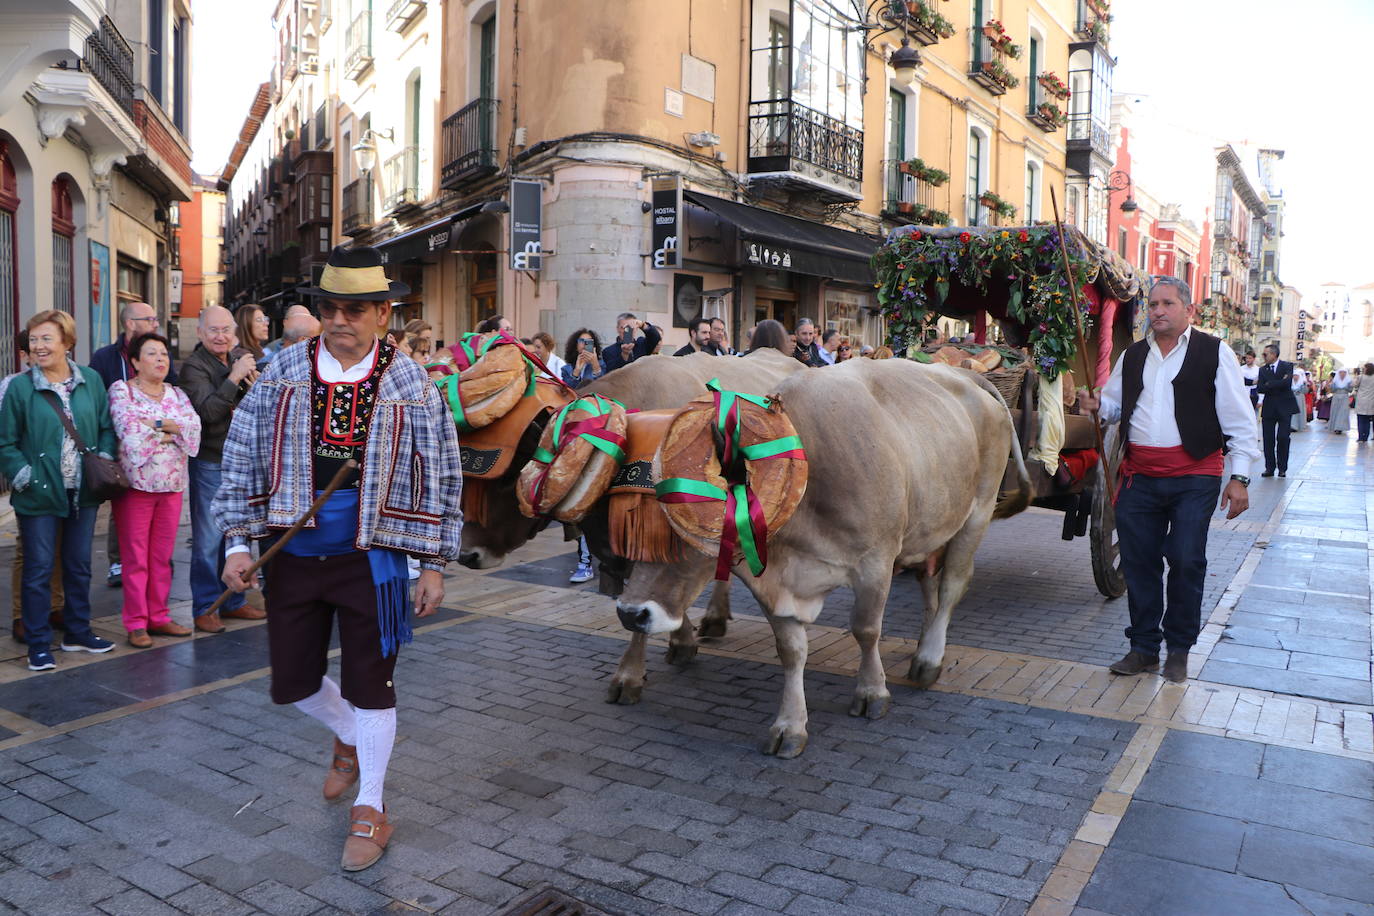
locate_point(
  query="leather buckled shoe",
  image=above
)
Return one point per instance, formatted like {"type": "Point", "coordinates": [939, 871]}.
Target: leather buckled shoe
{"type": "Point", "coordinates": [343, 770]}
{"type": "Point", "coordinates": [1134, 662]}
{"type": "Point", "coordinates": [1176, 667]}
{"type": "Point", "coordinates": [210, 623]}
{"type": "Point", "coordinates": [247, 612]}
{"type": "Point", "coordinates": [368, 834]}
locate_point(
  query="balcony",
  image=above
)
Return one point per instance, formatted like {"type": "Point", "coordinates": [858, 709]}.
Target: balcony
{"type": "Point", "coordinates": [402, 13]}
{"type": "Point", "coordinates": [910, 196]}
{"type": "Point", "coordinates": [469, 143]}
{"type": "Point", "coordinates": [1094, 17]}
{"type": "Point", "coordinates": [356, 206]}
{"type": "Point", "coordinates": [109, 59]}
{"type": "Point", "coordinates": [791, 143]}
{"type": "Point", "coordinates": [401, 180]}
{"type": "Point", "coordinates": [358, 46]}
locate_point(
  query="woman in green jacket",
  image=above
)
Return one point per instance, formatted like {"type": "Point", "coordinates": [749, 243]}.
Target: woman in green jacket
{"type": "Point", "coordinates": [50, 499]}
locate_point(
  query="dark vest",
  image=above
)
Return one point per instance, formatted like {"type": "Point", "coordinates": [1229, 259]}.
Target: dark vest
{"type": "Point", "coordinates": [1195, 393]}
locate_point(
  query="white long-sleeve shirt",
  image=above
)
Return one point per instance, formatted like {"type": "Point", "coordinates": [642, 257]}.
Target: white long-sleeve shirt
{"type": "Point", "coordinates": [1153, 421]}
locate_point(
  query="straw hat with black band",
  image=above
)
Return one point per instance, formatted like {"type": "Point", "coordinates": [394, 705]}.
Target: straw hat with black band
{"type": "Point", "coordinates": [356, 273]}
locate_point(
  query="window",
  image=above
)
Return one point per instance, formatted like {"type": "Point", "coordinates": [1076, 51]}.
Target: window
{"type": "Point", "coordinates": [1144, 261]}
{"type": "Point", "coordinates": [131, 281]}
{"type": "Point", "coordinates": [896, 144]}
{"type": "Point", "coordinates": [157, 57]}
{"type": "Point", "coordinates": [1121, 241]}
{"type": "Point", "coordinates": [63, 245]}
{"type": "Point", "coordinates": [1072, 205]}
{"type": "Point", "coordinates": [1032, 210]}
{"type": "Point", "coordinates": [975, 173]}
{"type": "Point", "coordinates": [1033, 69]}
{"type": "Point", "coordinates": [980, 48]}
{"type": "Point", "coordinates": [9, 261]}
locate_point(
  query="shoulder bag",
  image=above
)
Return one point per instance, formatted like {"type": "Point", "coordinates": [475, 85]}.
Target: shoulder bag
{"type": "Point", "coordinates": [104, 477]}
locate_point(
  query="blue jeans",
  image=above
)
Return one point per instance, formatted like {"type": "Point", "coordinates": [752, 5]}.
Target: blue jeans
{"type": "Point", "coordinates": [207, 541]}
{"type": "Point", "coordinates": [1158, 519]}
{"type": "Point", "coordinates": [41, 534]}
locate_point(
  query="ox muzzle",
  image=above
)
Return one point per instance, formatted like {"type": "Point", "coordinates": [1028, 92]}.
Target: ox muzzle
{"type": "Point", "coordinates": [646, 617]}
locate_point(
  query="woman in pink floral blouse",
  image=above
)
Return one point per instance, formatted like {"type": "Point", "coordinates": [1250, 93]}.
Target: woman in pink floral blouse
{"type": "Point", "coordinates": [158, 430]}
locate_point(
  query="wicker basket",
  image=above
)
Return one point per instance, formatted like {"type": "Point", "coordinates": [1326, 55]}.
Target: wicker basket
{"type": "Point", "coordinates": [1009, 383]}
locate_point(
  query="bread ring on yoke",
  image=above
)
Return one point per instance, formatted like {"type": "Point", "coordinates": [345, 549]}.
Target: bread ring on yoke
{"type": "Point", "coordinates": [689, 451]}
{"type": "Point", "coordinates": [579, 474]}
{"type": "Point", "coordinates": [493, 385]}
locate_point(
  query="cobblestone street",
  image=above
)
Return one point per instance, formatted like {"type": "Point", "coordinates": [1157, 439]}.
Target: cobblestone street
{"type": "Point", "coordinates": [1027, 780]}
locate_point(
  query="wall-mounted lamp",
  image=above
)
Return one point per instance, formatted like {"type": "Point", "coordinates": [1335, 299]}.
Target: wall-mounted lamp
{"type": "Point", "coordinates": [1121, 181]}
{"type": "Point", "coordinates": [495, 206]}
{"type": "Point", "coordinates": [904, 62]}
{"type": "Point", "coordinates": [366, 148]}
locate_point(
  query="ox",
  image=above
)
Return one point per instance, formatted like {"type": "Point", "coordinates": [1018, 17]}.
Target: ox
{"type": "Point", "coordinates": [905, 464]}
{"type": "Point", "coordinates": [651, 383]}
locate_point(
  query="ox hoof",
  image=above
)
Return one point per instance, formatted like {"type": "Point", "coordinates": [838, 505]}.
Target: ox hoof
{"type": "Point", "coordinates": [680, 654]}
{"type": "Point", "coordinates": [785, 744]}
{"type": "Point", "coordinates": [713, 629]}
{"type": "Point", "coordinates": [624, 693]}
{"type": "Point", "coordinates": [924, 673]}
{"type": "Point", "coordinates": [870, 707]}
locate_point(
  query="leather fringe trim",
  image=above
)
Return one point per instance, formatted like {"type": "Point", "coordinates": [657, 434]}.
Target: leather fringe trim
{"type": "Point", "coordinates": [640, 529]}
{"type": "Point", "coordinates": [474, 503]}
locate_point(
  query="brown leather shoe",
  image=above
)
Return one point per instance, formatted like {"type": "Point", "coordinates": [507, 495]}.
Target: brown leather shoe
{"type": "Point", "coordinates": [1176, 667]}
{"type": "Point", "coordinates": [343, 770]}
{"type": "Point", "coordinates": [169, 629]}
{"type": "Point", "coordinates": [368, 833]}
{"type": "Point", "coordinates": [247, 612]}
{"type": "Point", "coordinates": [209, 623]}
{"type": "Point", "coordinates": [140, 639]}
{"type": "Point", "coordinates": [1134, 662]}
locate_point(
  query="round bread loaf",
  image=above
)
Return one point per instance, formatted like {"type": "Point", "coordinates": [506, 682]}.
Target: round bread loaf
{"type": "Point", "coordinates": [951, 356]}
{"type": "Point", "coordinates": [689, 451]}
{"type": "Point", "coordinates": [493, 385]}
{"type": "Point", "coordinates": [990, 358]}
{"type": "Point", "coordinates": [579, 474]}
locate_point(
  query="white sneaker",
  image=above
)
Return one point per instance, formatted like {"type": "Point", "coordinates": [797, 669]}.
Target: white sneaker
{"type": "Point", "coordinates": [583, 573]}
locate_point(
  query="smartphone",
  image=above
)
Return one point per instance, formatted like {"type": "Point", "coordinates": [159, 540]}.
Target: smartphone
{"type": "Point", "coordinates": [627, 336]}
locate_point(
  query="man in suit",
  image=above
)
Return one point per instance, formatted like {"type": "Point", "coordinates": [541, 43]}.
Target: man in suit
{"type": "Point", "coordinates": [1275, 383]}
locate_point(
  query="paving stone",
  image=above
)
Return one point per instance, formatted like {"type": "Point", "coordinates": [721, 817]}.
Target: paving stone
{"type": "Point", "coordinates": [205, 899]}
{"type": "Point", "coordinates": [1128, 882]}
{"type": "Point", "coordinates": [134, 902]}
{"type": "Point", "coordinates": [1317, 863]}
{"type": "Point", "coordinates": [278, 899]}
{"type": "Point", "coordinates": [1210, 752]}
{"type": "Point", "coordinates": [1180, 835]}
{"type": "Point", "coordinates": [1340, 775]}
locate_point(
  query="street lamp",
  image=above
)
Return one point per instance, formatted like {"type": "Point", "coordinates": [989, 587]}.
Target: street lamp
{"type": "Point", "coordinates": [366, 148]}
{"type": "Point", "coordinates": [904, 62]}
{"type": "Point", "coordinates": [1121, 181]}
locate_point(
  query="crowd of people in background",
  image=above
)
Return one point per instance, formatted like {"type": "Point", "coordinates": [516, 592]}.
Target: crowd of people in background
{"type": "Point", "coordinates": [165, 425]}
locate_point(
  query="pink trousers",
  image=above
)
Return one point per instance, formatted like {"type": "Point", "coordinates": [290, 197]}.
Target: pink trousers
{"type": "Point", "coordinates": [147, 525]}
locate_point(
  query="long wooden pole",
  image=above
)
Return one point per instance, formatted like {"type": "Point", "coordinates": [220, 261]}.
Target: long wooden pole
{"type": "Point", "coordinates": [315, 507]}
{"type": "Point", "coordinates": [1088, 373]}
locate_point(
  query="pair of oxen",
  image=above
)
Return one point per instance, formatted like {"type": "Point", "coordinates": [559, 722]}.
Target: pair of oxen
{"type": "Point", "coordinates": [905, 466]}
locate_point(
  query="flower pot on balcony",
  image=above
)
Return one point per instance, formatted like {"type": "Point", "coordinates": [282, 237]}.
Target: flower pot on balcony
{"type": "Point", "coordinates": [905, 207]}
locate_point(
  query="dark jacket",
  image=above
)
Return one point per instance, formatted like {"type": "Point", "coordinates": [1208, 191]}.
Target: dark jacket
{"type": "Point", "coordinates": [810, 356]}
{"type": "Point", "coordinates": [206, 382]}
{"type": "Point", "coordinates": [1276, 384]}
{"type": "Point", "coordinates": [31, 437]}
{"type": "Point", "coordinates": [687, 350]}
{"type": "Point", "coordinates": [113, 365]}
{"type": "Point", "coordinates": [610, 354]}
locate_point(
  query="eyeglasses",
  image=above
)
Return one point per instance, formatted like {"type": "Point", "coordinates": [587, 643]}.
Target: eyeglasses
{"type": "Point", "coordinates": [586, 341]}
{"type": "Point", "coordinates": [151, 319]}
{"type": "Point", "coordinates": [262, 319]}
{"type": "Point", "coordinates": [219, 332]}
{"type": "Point", "coordinates": [353, 312]}
{"type": "Point", "coordinates": [844, 349]}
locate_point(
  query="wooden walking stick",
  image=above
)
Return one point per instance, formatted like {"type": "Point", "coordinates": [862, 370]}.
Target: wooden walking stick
{"type": "Point", "coordinates": [1088, 374]}
{"type": "Point", "coordinates": [315, 507]}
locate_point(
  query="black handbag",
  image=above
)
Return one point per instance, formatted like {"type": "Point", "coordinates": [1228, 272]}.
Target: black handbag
{"type": "Point", "coordinates": [104, 477]}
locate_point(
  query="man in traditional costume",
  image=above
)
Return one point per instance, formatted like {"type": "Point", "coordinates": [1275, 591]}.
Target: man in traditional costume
{"type": "Point", "coordinates": [1181, 401]}
{"type": "Point", "coordinates": [344, 396]}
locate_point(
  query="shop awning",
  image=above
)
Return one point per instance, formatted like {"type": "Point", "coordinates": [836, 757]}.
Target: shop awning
{"type": "Point", "coordinates": [778, 242]}
{"type": "Point", "coordinates": [432, 239]}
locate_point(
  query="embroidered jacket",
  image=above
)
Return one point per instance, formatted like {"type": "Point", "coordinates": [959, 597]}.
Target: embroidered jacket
{"type": "Point", "coordinates": [411, 479]}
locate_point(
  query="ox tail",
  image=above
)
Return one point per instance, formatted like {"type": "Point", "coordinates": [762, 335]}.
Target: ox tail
{"type": "Point", "coordinates": [1014, 501]}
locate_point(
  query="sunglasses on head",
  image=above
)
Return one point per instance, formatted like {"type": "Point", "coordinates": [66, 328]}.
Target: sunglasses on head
{"type": "Point", "coordinates": [353, 311]}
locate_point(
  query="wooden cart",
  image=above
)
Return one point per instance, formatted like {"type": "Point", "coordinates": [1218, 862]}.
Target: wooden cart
{"type": "Point", "coordinates": [1009, 283]}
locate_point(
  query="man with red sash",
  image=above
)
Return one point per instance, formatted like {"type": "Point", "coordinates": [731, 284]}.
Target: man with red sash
{"type": "Point", "coordinates": [1181, 402]}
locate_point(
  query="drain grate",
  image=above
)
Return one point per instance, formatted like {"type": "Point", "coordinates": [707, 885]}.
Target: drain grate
{"type": "Point", "coordinates": [549, 901]}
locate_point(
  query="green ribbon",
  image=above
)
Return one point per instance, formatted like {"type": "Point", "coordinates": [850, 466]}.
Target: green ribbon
{"type": "Point", "coordinates": [448, 386]}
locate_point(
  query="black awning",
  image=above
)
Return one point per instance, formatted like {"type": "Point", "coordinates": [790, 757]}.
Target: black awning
{"type": "Point", "coordinates": [435, 238]}
{"type": "Point", "coordinates": [779, 242]}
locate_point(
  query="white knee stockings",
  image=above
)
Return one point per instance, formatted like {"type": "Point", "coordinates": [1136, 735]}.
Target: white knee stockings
{"type": "Point", "coordinates": [372, 731]}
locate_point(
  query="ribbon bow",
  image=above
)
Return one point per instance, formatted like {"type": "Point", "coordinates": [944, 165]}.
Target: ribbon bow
{"type": "Point", "coordinates": [591, 430]}
{"type": "Point", "coordinates": [744, 526]}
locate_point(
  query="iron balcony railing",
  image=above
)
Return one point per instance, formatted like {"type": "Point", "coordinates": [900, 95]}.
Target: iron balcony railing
{"type": "Point", "coordinates": [109, 59]}
{"type": "Point", "coordinates": [402, 12]}
{"type": "Point", "coordinates": [401, 174]}
{"type": "Point", "coordinates": [780, 131]}
{"type": "Point", "coordinates": [469, 138]}
{"type": "Point", "coordinates": [358, 45]}
{"type": "Point", "coordinates": [356, 206]}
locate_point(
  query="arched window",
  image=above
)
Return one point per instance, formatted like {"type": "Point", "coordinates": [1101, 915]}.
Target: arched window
{"type": "Point", "coordinates": [9, 260]}
{"type": "Point", "coordinates": [63, 247]}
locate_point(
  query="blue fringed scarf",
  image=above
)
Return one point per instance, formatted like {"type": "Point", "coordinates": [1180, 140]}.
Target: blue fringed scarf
{"type": "Point", "coordinates": [336, 528]}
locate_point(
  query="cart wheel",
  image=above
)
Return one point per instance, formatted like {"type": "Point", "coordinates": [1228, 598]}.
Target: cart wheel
{"type": "Point", "coordinates": [1106, 552]}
